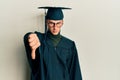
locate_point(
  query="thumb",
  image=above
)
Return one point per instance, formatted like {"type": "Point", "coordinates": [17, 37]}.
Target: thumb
{"type": "Point", "coordinates": [33, 54]}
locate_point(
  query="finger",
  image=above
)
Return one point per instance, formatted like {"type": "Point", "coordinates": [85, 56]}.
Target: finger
{"type": "Point", "coordinates": [33, 55]}
{"type": "Point", "coordinates": [35, 46]}
{"type": "Point", "coordinates": [33, 43]}
{"type": "Point", "coordinates": [31, 39]}
{"type": "Point", "coordinates": [31, 35]}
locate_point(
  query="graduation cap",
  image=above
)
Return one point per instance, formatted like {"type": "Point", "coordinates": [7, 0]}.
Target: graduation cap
{"type": "Point", "coordinates": [53, 13]}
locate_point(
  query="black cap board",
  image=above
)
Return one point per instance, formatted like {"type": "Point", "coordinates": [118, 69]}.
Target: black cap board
{"type": "Point", "coordinates": [54, 13]}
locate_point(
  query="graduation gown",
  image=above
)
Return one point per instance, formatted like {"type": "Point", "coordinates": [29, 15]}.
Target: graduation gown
{"type": "Point", "coordinates": [54, 63]}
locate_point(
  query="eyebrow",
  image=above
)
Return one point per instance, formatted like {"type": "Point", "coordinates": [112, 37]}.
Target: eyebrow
{"type": "Point", "coordinates": [54, 22]}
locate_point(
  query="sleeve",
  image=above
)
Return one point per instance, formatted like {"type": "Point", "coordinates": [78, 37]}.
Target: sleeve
{"type": "Point", "coordinates": [34, 64]}
{"type": "Point", "coordinates": [73, 65]}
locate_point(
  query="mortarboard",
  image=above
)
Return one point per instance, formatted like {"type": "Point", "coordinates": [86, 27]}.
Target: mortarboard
{"type": "Point", "coordinates": [54, 13]}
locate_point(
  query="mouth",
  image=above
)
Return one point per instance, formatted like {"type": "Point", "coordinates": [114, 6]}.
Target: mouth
{"type": "Point", "coordinates": [54, 31]}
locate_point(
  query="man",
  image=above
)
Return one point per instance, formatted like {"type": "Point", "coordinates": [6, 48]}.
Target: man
{"type": "Point", "coordinates": [52, 56]}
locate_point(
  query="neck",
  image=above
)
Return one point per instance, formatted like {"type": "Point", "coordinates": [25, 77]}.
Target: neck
{"type": "Point", "coordinates": [55, 38]}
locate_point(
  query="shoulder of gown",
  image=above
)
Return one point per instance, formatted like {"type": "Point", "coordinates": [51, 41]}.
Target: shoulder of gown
{"type": "Point", "coordinates": [67, 43]}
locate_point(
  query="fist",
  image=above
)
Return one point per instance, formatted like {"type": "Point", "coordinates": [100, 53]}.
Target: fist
{"type": "Point", "coordinates": [34, 43]}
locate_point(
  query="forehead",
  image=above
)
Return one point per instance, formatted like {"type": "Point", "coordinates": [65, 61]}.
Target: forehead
{"type": "Point", "coordinates": [54, 20]}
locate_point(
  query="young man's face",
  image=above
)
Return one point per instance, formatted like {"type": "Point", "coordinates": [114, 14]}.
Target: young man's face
{"type": "Point", "coordinates": [54, 26]}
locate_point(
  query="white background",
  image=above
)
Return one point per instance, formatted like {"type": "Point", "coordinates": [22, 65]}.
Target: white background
{"type": "Point", "coordinates": [93, 24]}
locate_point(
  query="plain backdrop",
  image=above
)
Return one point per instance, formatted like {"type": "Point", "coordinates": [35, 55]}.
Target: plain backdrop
{"type": "Point", "coordinates": [93, 24]}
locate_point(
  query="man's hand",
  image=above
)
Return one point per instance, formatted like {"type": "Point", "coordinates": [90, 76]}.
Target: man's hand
{"type": "Point", "coordinates": [34, 43]}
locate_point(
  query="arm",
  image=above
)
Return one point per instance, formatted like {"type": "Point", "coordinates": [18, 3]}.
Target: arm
{"type": "Point", "coordinates": [73, 65]}
{"type": "Point", "coordinates": [34, 62]}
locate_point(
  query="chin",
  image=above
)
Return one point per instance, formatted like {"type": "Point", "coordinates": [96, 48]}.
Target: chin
{"type": "Point", "coordinates": [55, 33]}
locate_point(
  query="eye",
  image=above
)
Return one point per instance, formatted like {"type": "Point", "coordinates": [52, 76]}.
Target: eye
{"type": "Point", "coordinates": [58, 23]}
{"type": "Point", "coordinates": [51, 23]}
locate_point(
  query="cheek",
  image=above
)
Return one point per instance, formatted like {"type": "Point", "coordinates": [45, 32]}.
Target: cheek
{"type": "Point", "coordinates": [58, 29]}
{"type": "Point", "coordinates": [51, 29]}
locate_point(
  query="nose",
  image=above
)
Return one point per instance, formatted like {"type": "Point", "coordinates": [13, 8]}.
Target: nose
{"type": "Point", "coordinates": [54, 27]}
